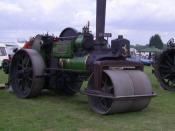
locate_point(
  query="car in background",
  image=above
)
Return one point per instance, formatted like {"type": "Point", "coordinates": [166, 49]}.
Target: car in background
{"type": "Point", "coordinates": [134, 58]}
{"type": "Point", "coordinates": [10, 47]}
{"type": "Point", "coordinates": [3, 53]}
{"type": "Point", "coordinates": [144, 60]}
{"type": "Point", "coordinates": [147, 62]}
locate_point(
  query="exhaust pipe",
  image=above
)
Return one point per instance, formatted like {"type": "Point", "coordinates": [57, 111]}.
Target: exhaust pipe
{"type": "Point", "coordinates": [100, 20]}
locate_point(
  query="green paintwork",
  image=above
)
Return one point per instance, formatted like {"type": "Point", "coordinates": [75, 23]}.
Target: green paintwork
{"type": "Point", "coordinates": [63, 49]}
{"type": "Point", "coordinates": [76, 63]}
{"type": "Point", "coordinates": [79, 41]}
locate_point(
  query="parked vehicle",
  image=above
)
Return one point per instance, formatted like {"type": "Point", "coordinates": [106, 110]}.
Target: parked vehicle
{"type": "Point", "coordinates": [146, 61]}
{"type": "Point", "coordinates": [3, 53]}
{"type": "Point", "coordinates": [10, 47]}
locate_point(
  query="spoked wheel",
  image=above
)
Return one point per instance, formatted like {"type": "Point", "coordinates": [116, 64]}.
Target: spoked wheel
{"type": "Point", "coordinates": [122, 83]}
{"type": "Point", "coordinates": [68, 84]}
{"type": "Point", "coordinates": [71, 89]}
{"type": "Point", "coordinates": [99, 104]}
{"type": "Point", "coordinates": [165, 70]}
{"type": "Point", "coordinates": [26, 71]}
{"type": "Point", "coordinates": [5, 66]}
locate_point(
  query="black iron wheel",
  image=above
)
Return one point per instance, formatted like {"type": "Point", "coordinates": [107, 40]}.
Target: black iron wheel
{"type": "Point", "coordinates": [165, 70]}
{"type": "Point", "coordinates": [68, 84]}
{"type": "Point", "coordinates": [26, 71]}
{"type": "Point", "coordinates": [5, 66]}
{"type": "Point", "coordinates": [100, 104]}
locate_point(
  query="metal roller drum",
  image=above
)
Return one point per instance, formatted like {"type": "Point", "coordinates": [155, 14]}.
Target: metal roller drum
{"type": "Point", "coordinates": [120, 83]}
{"type": "Point", "coordinates": [142, 86]}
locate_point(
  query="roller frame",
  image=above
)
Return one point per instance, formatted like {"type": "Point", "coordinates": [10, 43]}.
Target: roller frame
{"type": "Point", "coordinates": [91, 92]}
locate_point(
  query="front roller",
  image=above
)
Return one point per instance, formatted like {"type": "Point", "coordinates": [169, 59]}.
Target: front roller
{"type": "Point", "coordinates": [123, 91]}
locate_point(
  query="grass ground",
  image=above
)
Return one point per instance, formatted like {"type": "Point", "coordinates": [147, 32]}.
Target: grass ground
{"type": "Point", "coordinates": [60, 113]}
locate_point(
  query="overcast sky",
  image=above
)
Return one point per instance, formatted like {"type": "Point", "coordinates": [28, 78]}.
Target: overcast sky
{"type": "Point", "coordinates": [137, 20]}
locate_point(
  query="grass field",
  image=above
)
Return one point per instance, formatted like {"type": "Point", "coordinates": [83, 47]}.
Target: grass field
{"type": "Point", "coordinates": [60, 113]}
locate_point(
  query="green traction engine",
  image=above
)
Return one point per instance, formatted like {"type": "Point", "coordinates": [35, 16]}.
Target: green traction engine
{"type": "Point", "coordinates": [63, 63]}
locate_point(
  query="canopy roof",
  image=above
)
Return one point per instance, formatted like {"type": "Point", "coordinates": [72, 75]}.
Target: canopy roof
{"type": "Point", "coordinates": [150, 49]}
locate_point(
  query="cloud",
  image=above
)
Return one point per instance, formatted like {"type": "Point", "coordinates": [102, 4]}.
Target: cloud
{"type": "Point", "coordinates": [136, 19]}
{"type": "Point", "coordinates": [9, 8]}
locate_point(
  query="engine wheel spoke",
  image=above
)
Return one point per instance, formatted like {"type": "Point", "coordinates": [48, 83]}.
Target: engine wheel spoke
{"type": "Point", "coordinates": [170, 60]}
{"type": "Point", "coordinates": [164, 66]}
{"type": "Point", "coordinates": [165, 69]}
{"type": "Point", "coordinates": [23, 74]}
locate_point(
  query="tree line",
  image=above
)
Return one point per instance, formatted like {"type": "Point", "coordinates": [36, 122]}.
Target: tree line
{"type": "Point", "coordinates": [155, 41]}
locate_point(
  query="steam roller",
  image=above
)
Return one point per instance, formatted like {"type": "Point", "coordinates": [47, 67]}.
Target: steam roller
{"type": "Point", "coordinates": [164, 66]}
{"type": "Point", "coordinates": [63, 63]}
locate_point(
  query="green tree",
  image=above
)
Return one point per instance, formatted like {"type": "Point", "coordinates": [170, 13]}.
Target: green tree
{"type": "Point", "coordinates": [156, 41]}
{"type": "Point", "coordinates": [140, 47]}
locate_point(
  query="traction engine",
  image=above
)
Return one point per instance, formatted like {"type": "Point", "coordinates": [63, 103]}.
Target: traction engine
{"type": "Point", "coordinates": [63, 63]}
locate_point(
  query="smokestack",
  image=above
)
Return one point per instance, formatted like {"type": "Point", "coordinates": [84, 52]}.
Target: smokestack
{"type": "Point", "coordinates": [100, 19]}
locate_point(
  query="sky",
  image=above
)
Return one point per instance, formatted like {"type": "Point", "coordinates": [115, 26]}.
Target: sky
{"type": "Point", "coordinates": [137, 20]}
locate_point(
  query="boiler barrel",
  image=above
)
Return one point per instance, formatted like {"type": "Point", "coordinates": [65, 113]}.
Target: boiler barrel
{"type": "Point", "coordinates": [75, 64]}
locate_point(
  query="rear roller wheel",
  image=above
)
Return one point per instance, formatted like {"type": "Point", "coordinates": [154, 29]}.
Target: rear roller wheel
{"type": "Point", "coordinates": [122, 83]}
{"type": "Point", "coordinates": [71, 89]}
{"type": "Point", "coordinates": [26, 69]}
{"type": "Point", "coordinates": [68, 84]}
